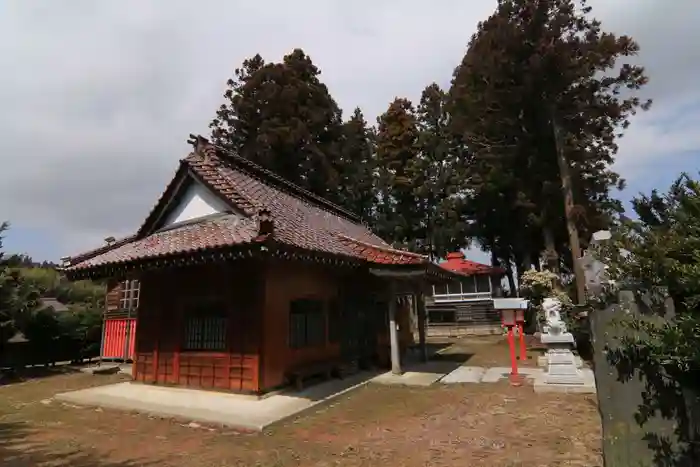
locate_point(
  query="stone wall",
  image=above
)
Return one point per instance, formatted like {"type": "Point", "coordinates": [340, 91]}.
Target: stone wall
{"type": "Point", "coordinates": [627, 393]}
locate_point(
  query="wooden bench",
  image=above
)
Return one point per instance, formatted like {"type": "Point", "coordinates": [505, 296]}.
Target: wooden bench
{"type": "Point", "coordinates": [299, 374]}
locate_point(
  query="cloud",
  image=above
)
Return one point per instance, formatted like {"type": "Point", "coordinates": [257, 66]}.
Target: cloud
{"type": "Point", "coordinates": [98, 98]}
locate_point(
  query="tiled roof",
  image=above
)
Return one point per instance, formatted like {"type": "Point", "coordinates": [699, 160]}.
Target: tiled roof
{"type": "Point", "coordinates": [298, 218]}
{"type": "Point", "coordinates": [204, 235]}
{"type": "Point", "coordinates": [99, 250]}
{"type": "Point", "coordinates": [380, 254]}
{"type": "Point", "coordinates": [458, 263]}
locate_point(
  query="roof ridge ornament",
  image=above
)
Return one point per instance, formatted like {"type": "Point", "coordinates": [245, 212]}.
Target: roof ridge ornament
{"type": "Point", "coordinates": [266, 225]}
{"type": "Point", "coordinates": [202, 146]}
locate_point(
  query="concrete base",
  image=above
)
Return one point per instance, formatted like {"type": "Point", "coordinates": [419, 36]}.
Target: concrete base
{"type": "Point", "coordinates": [465, 374]}
{"type": "Point", "coordinates": [564, 369]}
{"type": "Point", "coordinates": [543, 361]}
{"type": "Point", "coordinates": [423, 374]}
{"type": "Point", "coordinates": [237, 411]}
{"type": "Point", "coordinates": [561, 368]}
{"type": "Point", "coordinates": [586, 384]}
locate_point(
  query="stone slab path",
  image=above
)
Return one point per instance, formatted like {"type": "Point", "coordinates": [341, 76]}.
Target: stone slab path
{"type": "Point", "coordinates": [430, 373]}
{"type": "Point", "coordinates": [465, 374]}
{"type": "Point", "coordinates": [421, 374]}
{"type": "Point", "coordinates": [476, 374]}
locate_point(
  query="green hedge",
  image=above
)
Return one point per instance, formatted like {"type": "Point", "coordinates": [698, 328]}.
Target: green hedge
{"type": "Point", "coordinates": [52, 337]}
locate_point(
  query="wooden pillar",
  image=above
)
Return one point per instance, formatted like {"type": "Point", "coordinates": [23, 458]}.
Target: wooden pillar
{"type": "Point", "coordinates": [422, 322]}
{"type": "Point", "coordinates": [393, 333]}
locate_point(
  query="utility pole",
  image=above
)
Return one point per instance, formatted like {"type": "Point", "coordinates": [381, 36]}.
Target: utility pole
{"type": "Point", "coordinates": [567, 190]}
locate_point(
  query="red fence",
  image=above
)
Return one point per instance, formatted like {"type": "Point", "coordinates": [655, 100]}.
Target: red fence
{"type": "Point", "coordinates": [119, 338]}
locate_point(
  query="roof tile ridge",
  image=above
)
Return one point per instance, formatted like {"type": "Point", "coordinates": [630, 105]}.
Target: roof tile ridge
{"type": "Point", "coordinates": [89, 254]}
{"type": "Point", "coordinates": [261, 173]}
{"type": "Point", "coordinates": [382, 248]}
{"type": "Point", "coordinates": [209, 169]}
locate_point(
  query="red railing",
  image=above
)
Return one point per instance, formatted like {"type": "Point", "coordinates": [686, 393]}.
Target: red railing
{"type": "Point", "coordinates": [119, 338]}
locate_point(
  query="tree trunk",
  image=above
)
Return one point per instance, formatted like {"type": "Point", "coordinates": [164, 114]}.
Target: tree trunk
{"type": "Point", "coordinates": [536, 264]}
{"type": "Point", "coordinates": [511, 280]}
{"type": "Point", "coordinates": [550, 248]}
{"type": "Point", "coordinates": [495, 262]}
{"type": "Point", "coordinates": [526, 264]}
{"type": "Point", "coordinates": [567, 189]}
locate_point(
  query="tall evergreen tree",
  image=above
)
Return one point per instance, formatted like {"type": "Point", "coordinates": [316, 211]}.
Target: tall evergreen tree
{"type": "Point", "coordinates": [398, 219]}
{"type": "Point", "coordinates": [357, 168]}
{"type": "Point", "coordinates": [281, 116]}
{"type": "Point", "coordinates": [438, 175]}
{"type": "Point", "coordinates": [537, 99]}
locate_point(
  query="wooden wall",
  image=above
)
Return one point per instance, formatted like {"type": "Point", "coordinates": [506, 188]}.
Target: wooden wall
{"type": "Point", "coordinates": [257, 297]}
{"type": "Point", "coordinates": [114, 291]}
{"type": "Point", "coordinates": [287, 281]}
{"type": "Point", "coordinates": [163, 299]}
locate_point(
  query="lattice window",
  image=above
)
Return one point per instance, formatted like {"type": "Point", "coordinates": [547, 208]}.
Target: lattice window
{"type": "Point", "coordinates": [129, 299]}
{"type": "Point", "coordinates": [307, 324]}
{"type": "Point", "coordinates": [206, 326]}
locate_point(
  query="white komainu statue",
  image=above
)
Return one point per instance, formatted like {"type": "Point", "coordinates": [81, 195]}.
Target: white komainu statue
{"type": "Point", "coordinates": [552, 310]}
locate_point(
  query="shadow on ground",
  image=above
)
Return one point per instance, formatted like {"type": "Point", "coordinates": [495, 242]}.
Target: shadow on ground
{"type": "Point", "coordinates": [455, 357]}
{"type": "Point", "coordinates": [18, 449]}
{"type": "Point", "coordinates": [21, 375]}
{"type": "Point", "coordinates": [447, 351]}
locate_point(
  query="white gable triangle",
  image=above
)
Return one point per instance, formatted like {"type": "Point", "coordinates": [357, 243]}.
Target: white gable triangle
{"type": "Point", "coordinates": [195, 202]}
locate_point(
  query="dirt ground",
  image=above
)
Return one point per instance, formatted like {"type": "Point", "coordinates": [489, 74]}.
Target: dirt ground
{"type": "Point", "coordinates": [488, 351]}
{"type": "Point", "coordinates": [456, 425]}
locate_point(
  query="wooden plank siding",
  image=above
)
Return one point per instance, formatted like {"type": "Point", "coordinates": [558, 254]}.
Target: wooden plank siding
{"type": "Point", "coordinates": [114, 292]}
{"type": "Point", "coordinates": [288, 281]}
{"type": "Point", "coordinates": [452, 319]}
{"type": "Point", "coordinates": [257, 297]}
{"type": "Point", "coordinates": [164, 297]}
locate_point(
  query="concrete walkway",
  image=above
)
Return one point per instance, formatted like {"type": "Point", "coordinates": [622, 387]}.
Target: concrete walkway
{"type": "Point", "coordinates": [429, 373]}
{"type": "Point", "coordinates": [418, 374]}
{"type": "Point", "coordinates": [475, 374]}
{"type": "Point", "coordinates": [233, 410]}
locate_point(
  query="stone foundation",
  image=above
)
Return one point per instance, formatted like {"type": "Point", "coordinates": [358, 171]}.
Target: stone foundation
{"type": "Point", "coordinates": [543, 361]}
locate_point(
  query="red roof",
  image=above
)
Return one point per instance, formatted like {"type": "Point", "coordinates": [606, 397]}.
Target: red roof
{"type": "Point", "coordinates": [293, 217]}
{"type": "Point", "coordinates": [457, 262]}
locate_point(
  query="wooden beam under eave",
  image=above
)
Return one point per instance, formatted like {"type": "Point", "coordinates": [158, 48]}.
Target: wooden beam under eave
{"type": "Point", "coordinates": [398, 274]}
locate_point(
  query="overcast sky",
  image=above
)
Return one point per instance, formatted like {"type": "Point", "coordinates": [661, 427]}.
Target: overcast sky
{"type": "Point", "coordinates": [97, 98]}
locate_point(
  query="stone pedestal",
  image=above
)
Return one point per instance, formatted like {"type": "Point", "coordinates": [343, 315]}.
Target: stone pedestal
{"type": "Point", "coordinates": [561, 362]}
{"type": "Point", "coordinates": [543, 361]}
{"type": "Point", "coordinates": [563, 370]}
